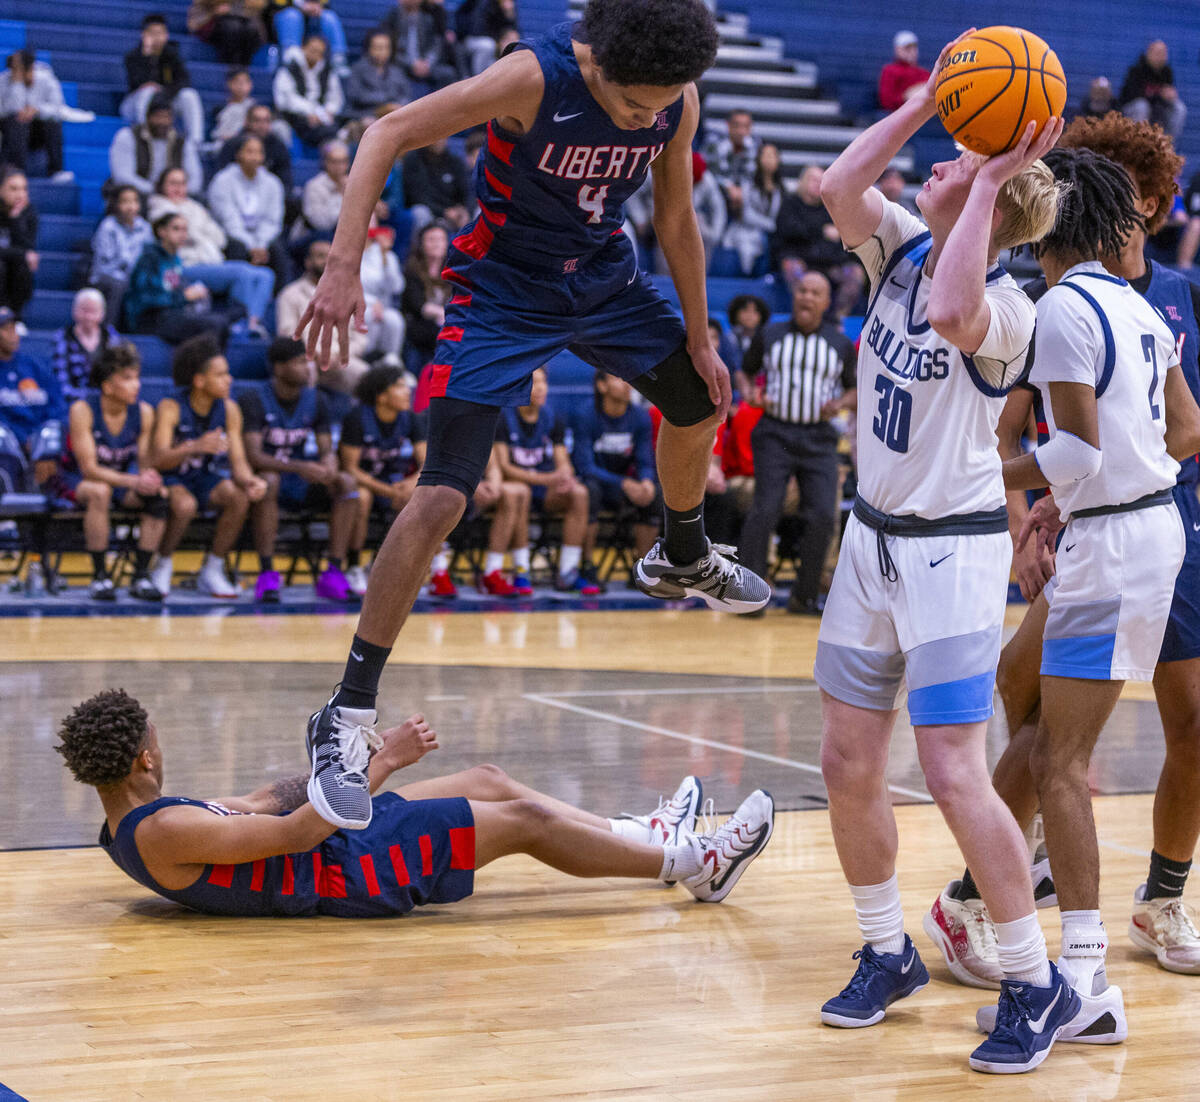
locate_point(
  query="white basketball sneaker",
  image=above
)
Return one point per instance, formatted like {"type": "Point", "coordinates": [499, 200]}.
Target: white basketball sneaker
{"type": "Point", "coordinates": [678, 814]}
{"type": "Point", "coordinates": [728, 851]}
{"type": "Point", "coordinates": [160, 576]}
{"type": "Point", "coordinates": [1166, 928]}
{"type": "Point", "coordinates": [964, 932]}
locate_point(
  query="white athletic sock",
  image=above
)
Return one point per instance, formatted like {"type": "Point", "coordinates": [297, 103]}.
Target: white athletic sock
{"type": "Point", "coordinates": [1021, 947]}
{"type": "Point", "coordinates": [680, 862]}
{"type": "Point", "coordinates": [632, 829]}
{"type": "Point", "coordinates": [520, 558]}
{"type": "Point", "coordinates": [568, 559]}
{"type": "Point", "coordinates": [880, 917]}
{"type": "Point", "coordinates": [441, 562]}
{"type": "Point", "coordinates": [1084, 945]}
{"type": "Point", "coordinates": [493, 561]}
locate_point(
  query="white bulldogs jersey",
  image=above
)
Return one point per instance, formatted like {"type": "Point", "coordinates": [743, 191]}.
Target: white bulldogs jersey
{"type": "Point", "coordinates": [1094, 328]}
{"type": "Point", "coordinates": [927, 412]}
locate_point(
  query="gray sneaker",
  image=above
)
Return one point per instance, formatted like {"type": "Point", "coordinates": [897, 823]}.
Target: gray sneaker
{"type": "Point", "coordinates": [339, 747]}
{"type": "Point", "coordinates": [718, 579]}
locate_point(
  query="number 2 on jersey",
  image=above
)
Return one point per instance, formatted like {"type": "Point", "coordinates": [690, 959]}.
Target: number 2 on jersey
{"type": "Point", "coordinates": [893, 415]}
{"type": "Point", "coordinates": [1151, 355]}
{"type": "Point", "coordinates": [591, 199]}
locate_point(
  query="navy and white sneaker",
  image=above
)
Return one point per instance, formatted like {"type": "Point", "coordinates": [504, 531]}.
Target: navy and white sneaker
{"type": "Point", "coordinates": [1028, 1021]}
{"type": "Point", "coordinates": [880, 980]}
{"type": "Point", "coordinates": [340, 741]}
{"type": "Point", "coordinates": [717, 579]}
{"type": "Point", "coordinates": [1100, 1019]}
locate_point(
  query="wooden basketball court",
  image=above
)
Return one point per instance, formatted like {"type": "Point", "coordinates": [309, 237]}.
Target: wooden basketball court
{"type": "Point", "coordinates": [538, 986]}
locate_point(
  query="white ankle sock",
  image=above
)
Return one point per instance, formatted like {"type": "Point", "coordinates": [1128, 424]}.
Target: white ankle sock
{"type": "Point", "coordinates": [568, 559]}
{"type": "Point", "coordinates": [493, 562]}
{"type": "Point", "coordinates": [680, 862]}
{"type": "Point", "coordinates": [632, 829]}
{"type": "Point", "coordinates": [1084, 945]}
{"type": "Point", "coordinates": [441, 562]}
{"type": "Point", "coordinates": [520, 558]}
{"type": "Point", "coordinates": [880, 917]}
{"type": "Point", "coordinates": [1021, 947]}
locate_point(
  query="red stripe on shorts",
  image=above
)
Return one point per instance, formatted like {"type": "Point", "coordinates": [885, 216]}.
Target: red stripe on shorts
{"type": "Point", "coordinates": [289, 877]}
{"type": "Point", "coordinates": [439, 380]}
{"type": "Point", "coordinates": [221, 876]}
{"type": "Point", "coordinates": [368, 868]}
{"type": "Point", "coordinates": [450, 333]}
{"type": "Point", "coordinates": [462, 847]}
{"type": "Point", "coordinates": [426, 844]}
{"type": "Point", "coordinates": [398, 865]}
{"type": "Point", "coordinates": [256, 876]}
{"type": "Point", "coordinates": [461, 300]}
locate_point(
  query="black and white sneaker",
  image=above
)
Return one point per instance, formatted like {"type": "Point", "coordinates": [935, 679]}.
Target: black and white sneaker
{"type": "Point", "coordinates": [340, 741]}
{"type": "Point", "coordinates": [727, 852]}
{"type": "Point", "coordinates": [143, 589]}
{"type": "Point", "coordinates": [717, 579]}
{"type": "Point", "coordinates": [102, 589]}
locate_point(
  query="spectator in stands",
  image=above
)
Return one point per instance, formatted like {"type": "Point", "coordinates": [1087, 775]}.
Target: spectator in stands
{"type": "Point", "coordinates": [261, 123]}
{"type": "Point", "coordinates": [19, 257]}
{"type": "Point", "coordinates": [322, 203]}
{"type": "Point", "coordinates": [230, 120]}
{"type": "Point", "coordinates": [31, 114]}
{"type": "Point", "coordinates": [426, 294]}
{"type": "Point", "coordinates": [109, 459]}
{"type": "Point", "coordinates": [1189, 242]}
{"type": "Point", "coordinates": [140, 154]}
{"type": "Point", "coordinates": [117, 244]}
{"type": "Point", "coordinates": [753, 209]}
{"type": "Point", "coordinates": [203, 253]}
{"type": "Point", "coordinates": [160, 301]}
{"type": "Point", "coordinates": [531, 448]}
{"type": "Point", "coordinates": [417, 46]}
{"type": "Point", "coordinates": [892, 184]}
{"type": "Point", "coordinates": [154, 70]}
{"type": "Point", "coordinates": [308, 93]}
{"type": "Point", "coordinates": [290, 305]}
{"type": "Point", "coordinates": [78, 347]}
{"type": "Point", "coordinates": [382, 284]}
{"type": "Point", "coordinates": [436, 185]}
{"type": "Point", "coordinates": [810, 369]}
{"type": "Point", "coordinates": [382, 448]}
{"type": "Point", "coordinates": [247, 201]}
{"type": "Point", "coordinates": [614, 457]}
{"type": "Point", "coordinates": [234, 28]}
{"type": "Point", "coordinates": [732, 158]}
{"type": "Point", "coordinates": [747, 315]}
{"type": "Point", "coordinates": [198, 447]}
{"type": "Point", "coordinates": [298, 20]}
{"type": "Point", "coordinates": [278, 424]}
{"type": "Point", "coordinates": [1149, 93]}
{"type": "Point", "coordinates": [709, 203]}
{"type": "Point", "coordinates": [901, 77]}
{"type": "Point", "coordinates": [806, 238]}
{"type": "Point", "coordinates": [492, 25]}
{"type": "Point", "coordinates": [32, 412]}
{"type": "Point", "coordinates": [376, 84]}
{"type": "Point", "coordinates": [1099, 100]}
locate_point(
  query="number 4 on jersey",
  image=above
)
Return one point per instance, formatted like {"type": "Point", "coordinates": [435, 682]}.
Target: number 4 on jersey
{"type": "Point", "coordinates": [591, 199]}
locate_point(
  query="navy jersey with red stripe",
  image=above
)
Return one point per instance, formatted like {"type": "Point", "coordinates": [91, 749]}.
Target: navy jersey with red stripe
{"type": "Point", "coordinates": [552, 197]}
{"type": "Point", "coordinates": [116, 452]}
{"type": "Point", "coordinates": [192, 426]}
{"type": "Point", "coordinates": [414, 852]}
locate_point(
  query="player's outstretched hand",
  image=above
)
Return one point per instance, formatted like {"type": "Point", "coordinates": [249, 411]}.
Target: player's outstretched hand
{"type": "Point", "coordinates": [337, 304]}
{"type": "Point", "coordinates": [1044, 519]}
{"type": "Point", "coordinates": [408, 743]}
{"type": "Point", "coordinates": [1004, 166]}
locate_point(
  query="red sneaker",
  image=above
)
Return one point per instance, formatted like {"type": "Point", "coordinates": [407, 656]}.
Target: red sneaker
{"type": "Point", "coordinates": [442, 585]}
{"type": "Point", "coordinates": [498, 585]}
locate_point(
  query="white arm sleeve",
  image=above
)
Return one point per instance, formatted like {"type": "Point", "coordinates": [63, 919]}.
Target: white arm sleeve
{"type": "Point", "coordinates": [895, 228]}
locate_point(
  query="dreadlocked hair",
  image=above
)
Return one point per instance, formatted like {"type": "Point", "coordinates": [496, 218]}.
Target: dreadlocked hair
{"type": "Point", "coordinates": [1144, 150]}
{"type": "Point", "coordinates": [102, 737]}
{"type": "Point", "coordinates": [1097, 212]}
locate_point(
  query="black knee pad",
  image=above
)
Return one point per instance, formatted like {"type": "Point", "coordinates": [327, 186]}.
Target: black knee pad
{"type": "Point", "coordinates": [458, 444]}
{"type": "Point", "coordinates": [676, 388]}
{"type": "Point", "coordinates": [155, 507]}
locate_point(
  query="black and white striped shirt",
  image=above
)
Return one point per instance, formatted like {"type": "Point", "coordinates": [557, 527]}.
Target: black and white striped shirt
{"type": "Point", "coordinates": [803, 371]}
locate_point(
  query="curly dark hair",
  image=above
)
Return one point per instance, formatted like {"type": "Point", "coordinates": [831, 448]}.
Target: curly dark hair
{"type": "Point", "coordinates": [116, 357]}
{"type": "Point", "coordinates": [1097, 212]}
{"type": "Point", "coordinates": [192, 357]}
{"type": "Point", "coordinates": [1144, 150]}
{"type": "Point", "coordinates": [656, 42]}
{"type": "Point", "coordinates": [102, 736]}
{"type": "Point", "coordinates": [375, 382]}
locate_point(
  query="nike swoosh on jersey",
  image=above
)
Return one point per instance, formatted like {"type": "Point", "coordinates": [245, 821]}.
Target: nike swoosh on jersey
{"type": "Point", "coordinates": [1196, 527]}
{"type": "Point", "coordinates": [1068, 547]}
{"type": "Point", "coordinates": [566, 118]}
{"type": "Point", "coordinates": [1036, 1025]}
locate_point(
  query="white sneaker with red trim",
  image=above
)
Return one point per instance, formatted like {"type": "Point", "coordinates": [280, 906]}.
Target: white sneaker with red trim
{"type": "Point", "coordinates": [963, 931]}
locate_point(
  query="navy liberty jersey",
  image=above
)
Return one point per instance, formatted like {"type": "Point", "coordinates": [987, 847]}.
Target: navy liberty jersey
{"type": "Point", "coordinates": [554, 196]}
{"type": "Point", "coordinates": [616, 447]}
{"type": "Point", "coordinates": [117, 453]}
{"type": "Point", "coordinates": [388, 452]}
{"type": "Point", "coordinates": [413, 853]}
{"type": "Point", "coordinates": [191, 427]}
{"type": "Point", "coordinates": [285, 432]}
{"type": "Point", "coordinates": [531, 444]}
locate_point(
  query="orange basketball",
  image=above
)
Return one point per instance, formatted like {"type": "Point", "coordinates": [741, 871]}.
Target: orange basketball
{"type": "Point", "coordinates": [994, 83]}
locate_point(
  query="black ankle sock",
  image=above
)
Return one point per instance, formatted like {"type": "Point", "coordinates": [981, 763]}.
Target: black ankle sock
{"type": "Point", "coordinates": [360, 682]}
{"type": "Point", "coordinates": [685, 541]}
{"type": "Point", "coordinates": [99, 569]}
{"type": "Point", "coordinates": [141, 562]}
{"type": "Point", "coordinates": [1167, 878]}
{"type": "Point", "coordinates": [968, 889]}
{"type": "Point", "coordinates": [333, 564]}
{"type": "Point", "coordinates": [266, 563]}
{"type": "Point", "coordinates": [352, 558]}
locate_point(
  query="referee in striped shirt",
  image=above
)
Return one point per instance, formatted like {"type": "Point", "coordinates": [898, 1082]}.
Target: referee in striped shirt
{"type": "Point", "coordinates": [808, 366]}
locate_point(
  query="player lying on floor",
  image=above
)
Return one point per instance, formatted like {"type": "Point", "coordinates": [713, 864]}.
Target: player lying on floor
{"type": "Point", "coordinates": [270, 853]}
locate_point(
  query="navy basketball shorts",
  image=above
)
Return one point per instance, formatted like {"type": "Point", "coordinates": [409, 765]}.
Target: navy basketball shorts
{"type": "Point", "coordinates": [200, 484]}
{"type": "Point", "coordinates": [505, 320]}
{"type": "Point", "coordinates": [299, 495]}
{"type": "Point", "coordinates": [1182, 638]}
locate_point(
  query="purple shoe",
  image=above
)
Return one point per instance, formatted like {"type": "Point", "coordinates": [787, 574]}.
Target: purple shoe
{"type": "Point", "coordinates": [266, 589]}
{"type": "Point", "coordinates": [333, 585]}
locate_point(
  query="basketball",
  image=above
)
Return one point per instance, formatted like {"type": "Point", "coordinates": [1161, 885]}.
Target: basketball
{"type": "Point", "coordinates": [994, 83]}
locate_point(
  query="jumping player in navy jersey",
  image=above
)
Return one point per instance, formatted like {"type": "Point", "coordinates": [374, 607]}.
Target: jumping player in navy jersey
{"type": "Point", "coordinates": [574, 122]}
{"type": "Point", "coordinates": [270, 853]}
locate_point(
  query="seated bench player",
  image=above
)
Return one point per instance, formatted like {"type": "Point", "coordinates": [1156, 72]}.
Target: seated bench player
{"type": "Point", "coordinates": [198, 447]}
{"type": "Point", "coordinates": [270, 853]}
{"type": "Point", "coordinates": [277, 424]}
{"type": "Point", "coordinates": [108, 458]}
{"type": "Point", "coordinates": [531, 448]}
